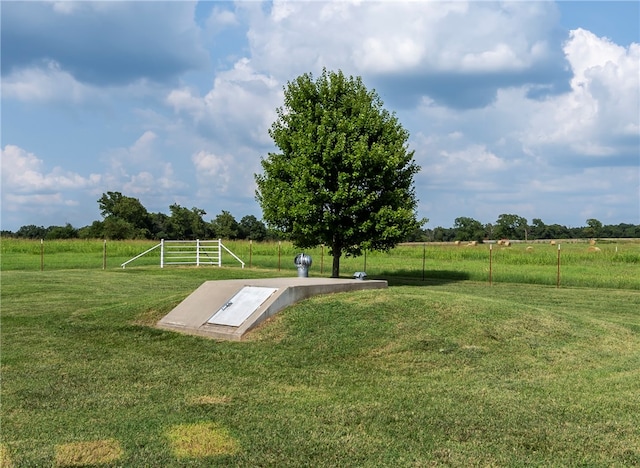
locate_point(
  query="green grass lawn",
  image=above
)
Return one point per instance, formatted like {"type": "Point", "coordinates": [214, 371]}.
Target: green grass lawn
{"type": "Point", "coordinates": [434, 372]}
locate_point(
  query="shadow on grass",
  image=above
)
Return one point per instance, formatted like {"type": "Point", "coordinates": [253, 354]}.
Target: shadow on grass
{"type": "Point", "coordinates": [417, 278]}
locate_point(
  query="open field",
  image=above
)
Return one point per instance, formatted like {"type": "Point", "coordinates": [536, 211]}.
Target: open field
{"type": "Point", "coordinates": [435, 372]}
{"type": "Point", "coordinates": [614, 265]}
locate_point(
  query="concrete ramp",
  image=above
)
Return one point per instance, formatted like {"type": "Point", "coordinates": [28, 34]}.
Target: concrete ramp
{"type": "Point", "coordinates": [228, 309]}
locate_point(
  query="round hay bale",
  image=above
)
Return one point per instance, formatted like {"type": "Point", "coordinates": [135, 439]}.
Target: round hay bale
{"type": "Point", "coordinates": [472, 243]}
{"type": "Point", "coordinates": [592, 242]}
{"type": "Point", "coordinates": [507, 243]}
{"type": "Point", "coordinates": [529, 249]}
{"type": "Point", "coordinates": [593, 249]}
{"type": "Point", "coordinates": [552, 242]}
{"type": "Point", "coordinates": [457, 242]}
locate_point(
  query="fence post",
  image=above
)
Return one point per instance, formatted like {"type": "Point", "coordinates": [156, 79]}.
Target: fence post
{"type": "Point", "coordinates": [558, 275]}
{"type": "Point", "coordinates": [197, 252]}
{"type": "Point", "coordinates": [161, 253]}
{"type": "Point", "coordinates": [490, 264]}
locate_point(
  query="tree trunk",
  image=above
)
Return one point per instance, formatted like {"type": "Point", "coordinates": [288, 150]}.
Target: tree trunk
{"type": "Point", "coordinates": [336, 249]}
{"type": "Point", "coordinates": [335, 270]}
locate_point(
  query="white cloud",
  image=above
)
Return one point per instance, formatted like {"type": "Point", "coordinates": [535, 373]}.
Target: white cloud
{"type": "Point", "coordinates": [281, 10]}
{"type": "Point", "coordinates": [603, 106]}
{"type": "Point", "coordinates": [79, 37]}
{"type": "Point", "coordinates": [212, 170]}
{"type": "Point", "coordinates": [31, 194]}
{"type": "Point", "coordinates": [153, 184]}
{"type": "Point", "coordinates": [458, 53]}
{"type": "Point", "coordinates": [390, 54]}
{"type": "Point", "coordinates": [221, 18]}
{"type": "Point", "coordinates": [567, 155]}
{"type": "Point", "coordinates": [143, 147]}
{"type": "Point", "coordinates": [139, 154]}
{"type": "Point", "coordinates": [47, 84]}
{"type": "Point", "coordinates": [476, 158]}
{"type": "Point", "coordinates": [184, 100]}
{"type": "Point", "coordinates": [140, 168]}
{"type": "Point", "coordinates": [499, 57]}
{"type": "Point", "coordinates": [366, 37]}
{"type": "Point", "coordinates": [226, 132]}
{"type": "Point", "coordinates": [239, 108]}
{"type": "Point", "coordinates": [65, 7]}
{"type": "Point", "coordinates": [23, 172]}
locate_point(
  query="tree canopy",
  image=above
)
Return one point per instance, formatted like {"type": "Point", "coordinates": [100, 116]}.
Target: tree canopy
{"type": "Point", "coordinates": [344, 174]}
{"type": "Point", "coordinates": [511, 226]}
{"type": "Point", "coordinates": [594, 228]}
{"type": "Point", "coordinates": [468, 229]}
{"type": "Point", "coordinates": [251, 228]}
{"type": "Point", "coordinates": [124, 217]}
{"type": "Point", "coordinates": [187, 223]}
{"type": "Point", "coordinates": [225, 226]}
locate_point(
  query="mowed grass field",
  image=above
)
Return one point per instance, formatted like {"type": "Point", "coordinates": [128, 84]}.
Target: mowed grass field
{"type": "Point", "coordinates": [445, 370]}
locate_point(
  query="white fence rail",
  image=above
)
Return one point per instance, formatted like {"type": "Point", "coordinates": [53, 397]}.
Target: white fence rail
{"type": "Point", "coordinates": [189, 252]}
{"type": "Point", "coordinates": [198, 252]}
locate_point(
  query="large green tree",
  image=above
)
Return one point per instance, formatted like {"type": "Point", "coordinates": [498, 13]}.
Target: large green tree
{"type": "Point", "coordinates": [511, 226]}
{"type": "Point", "coordinates": [539, 230]}
{"type": "Point", "coordinates": [225, 226]}
{"type": "Point", "coordinates": [125, 217]}
{"type": "Point", "coordinates": [251, 228]}
{"type": "Point", "coordinates": [186, 223]}
{"type": "Point", "coordinates": [344, 175]}
{"type": "Point", "coordinates": [593, 229]}
{"type": "Point", "coordinates": [468, 229]}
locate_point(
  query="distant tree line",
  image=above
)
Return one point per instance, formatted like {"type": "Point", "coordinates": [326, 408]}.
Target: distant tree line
{"type": "Point", "coordinates": [514, 227]}
{"type": "Point", "coordinates": [126, 218]}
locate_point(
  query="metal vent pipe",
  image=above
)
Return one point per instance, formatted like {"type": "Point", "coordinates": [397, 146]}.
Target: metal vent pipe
{"type": "Point", "coordinates": [303, 262]}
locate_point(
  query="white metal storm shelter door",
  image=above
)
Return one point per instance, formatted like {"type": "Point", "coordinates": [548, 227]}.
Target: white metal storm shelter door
{"type": "Point", "coordinates": [241, 306]}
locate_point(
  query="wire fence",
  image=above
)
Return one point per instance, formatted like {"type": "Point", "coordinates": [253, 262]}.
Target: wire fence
{"type": "Point", "coordinates": [614, 264]}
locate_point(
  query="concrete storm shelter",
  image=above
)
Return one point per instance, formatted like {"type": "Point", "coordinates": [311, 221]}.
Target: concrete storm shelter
{"type": "Point", "coordinates": [230, 308]}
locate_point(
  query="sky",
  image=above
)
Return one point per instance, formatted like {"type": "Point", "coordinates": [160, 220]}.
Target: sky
{"type": "Point", "coordinates": [523, 107]}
